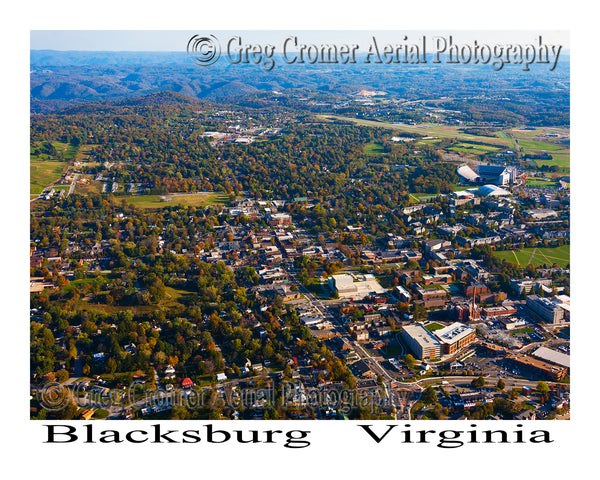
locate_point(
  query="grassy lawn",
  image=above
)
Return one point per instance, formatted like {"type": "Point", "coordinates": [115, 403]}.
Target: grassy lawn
{"type": "Point", "coordinates": [537, 256]}
{"type": "Point", "coordinates": [176, 200]}
{"type": "Point", "coordinates": [43, 173]}
{"type": "Point", "coordinates": [70, 152]}
{"type": "Point", "coordinates": [474, 148]}
{"type": "Point", "coordinates": [540, 146]}
{"type": "Point", "coordinates": [541, 183]}
{"type": "Point", "coordinates": [434, 326]}
{"type": "Point", "coordinates": [559, 159]}
{"type": "Point", "coordinates": [423, 196]}
{"type": "Point", "coordinates": [110, 309]}
{"type": "Point", "coordinates": [83, 153]}
{"type": "Point", "coordinates": [430, 141]}
{"type": "Point", "coordinates": [174, 295]}
{"type": "Point", "coordinates": [393, 350]}
{"type": "Point", "coordinates": [374, 148]}
{"type": "Point", "coordinates": [522, 330]}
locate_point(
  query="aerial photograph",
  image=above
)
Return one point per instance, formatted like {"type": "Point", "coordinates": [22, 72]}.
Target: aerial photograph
{"type": "Point", "coordinates": [299, 225]}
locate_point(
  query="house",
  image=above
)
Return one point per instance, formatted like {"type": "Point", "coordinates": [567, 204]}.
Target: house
{"type": "Point", "coordinates": [525, 414]}
{"type": "Point", "coordinates": [187, 383]}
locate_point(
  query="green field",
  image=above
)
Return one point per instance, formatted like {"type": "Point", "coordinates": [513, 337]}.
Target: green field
{"type": "Point", "coordinates": [45, 169]}
{"type": "Point", "coordinates": [429, 141]}
{"type": "Point", "coordinates": [533, 142]}
{"type": "Point", "coordinates": [537, 256]}
{"type": "Point", "coordinates": [434, 326]}
{"type": "Point", "coordinates": [541, 183]}
{"type": "Point", "coordinates": [474, 148]}
{"type": "Point", "coordinates": [374, 148]}
{"type": "Point", "coordinates": [540, 146]}
{"type": "Point", "coordinates": [421, 197]}
{"type": "Point", "coordinates": [176, 200]}
{"type": "Point", "coordinates": [562, 160]}
{"type": "Point", "coordinates": [43, 173]}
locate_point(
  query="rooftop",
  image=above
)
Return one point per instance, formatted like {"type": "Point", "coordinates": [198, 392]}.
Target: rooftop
{"type": "Point", "coordinates": [553, 356]}
{"type": "Point", "coordinates": [453, 333]}
{"type": "Point", "coordinates": [421, 335]}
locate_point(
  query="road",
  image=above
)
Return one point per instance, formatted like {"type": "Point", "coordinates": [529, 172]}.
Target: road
{"type": "Point", "coordinates": [73, 183]}
{"type": "Point", "coordinates": [390, 384]}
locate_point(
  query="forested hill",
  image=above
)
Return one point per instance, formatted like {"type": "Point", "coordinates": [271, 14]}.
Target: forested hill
{"type": "Point", "coordinates": [159, 101]}
{"type": "Point", "coordinates": [60, 79]}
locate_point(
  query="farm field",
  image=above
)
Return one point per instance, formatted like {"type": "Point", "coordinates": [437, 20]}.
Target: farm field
{"type": "Point", "coordinates": [537, 256]}
{"type": "Point", "coordinates": [176, 199]}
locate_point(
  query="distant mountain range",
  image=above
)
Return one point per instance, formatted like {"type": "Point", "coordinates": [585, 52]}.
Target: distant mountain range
{"type": "Point", "coordinates": [62, 78]}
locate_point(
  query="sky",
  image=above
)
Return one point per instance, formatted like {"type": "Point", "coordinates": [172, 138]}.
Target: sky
{"type": "Point", "coordinates": [176, 40]}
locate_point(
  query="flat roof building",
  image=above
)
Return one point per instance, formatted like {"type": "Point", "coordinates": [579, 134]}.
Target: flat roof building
{"type": "Point", "coordinates": [545, 309]}
{"type": "Point", "coordinates": [552, 356]}
{"type": "Point", "coordinates": [454, 337]}
{"type": "Point", "coordinates": [357, 288]}
{"type": "Point", "coordinates": [550, 371]}
{"type": "Point", "coordinates": [421, 341]}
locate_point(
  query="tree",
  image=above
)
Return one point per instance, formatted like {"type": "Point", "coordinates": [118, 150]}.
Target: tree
{"type": "Point", "coordinates": [409, 360]}
{"type": "Point", "coordinates": [542, 387]}
{"type": "Point", "coordinates": [62, 376]}
{"type": "Point", "coordinates": [429, 396]}
{"type": "Point", "coordinates": [501, 385]}
{"type": "Point", "coordinates": [478, 382]}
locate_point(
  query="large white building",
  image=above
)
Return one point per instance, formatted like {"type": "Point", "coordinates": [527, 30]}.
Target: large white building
{"type": "Point", "coordinates": [355, 287]}
{"type": "Point", "coordinates": [496, 174]}
{"type": "Point", "coordinates": [546, 309]}
{"type": "Point", "coordinates": [445, 341]}
{"type": "Point", "coordinates": [421, 341]}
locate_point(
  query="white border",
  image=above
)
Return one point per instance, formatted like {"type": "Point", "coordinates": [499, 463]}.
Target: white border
{"type": "Point", "coordinates": [331, 453]}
